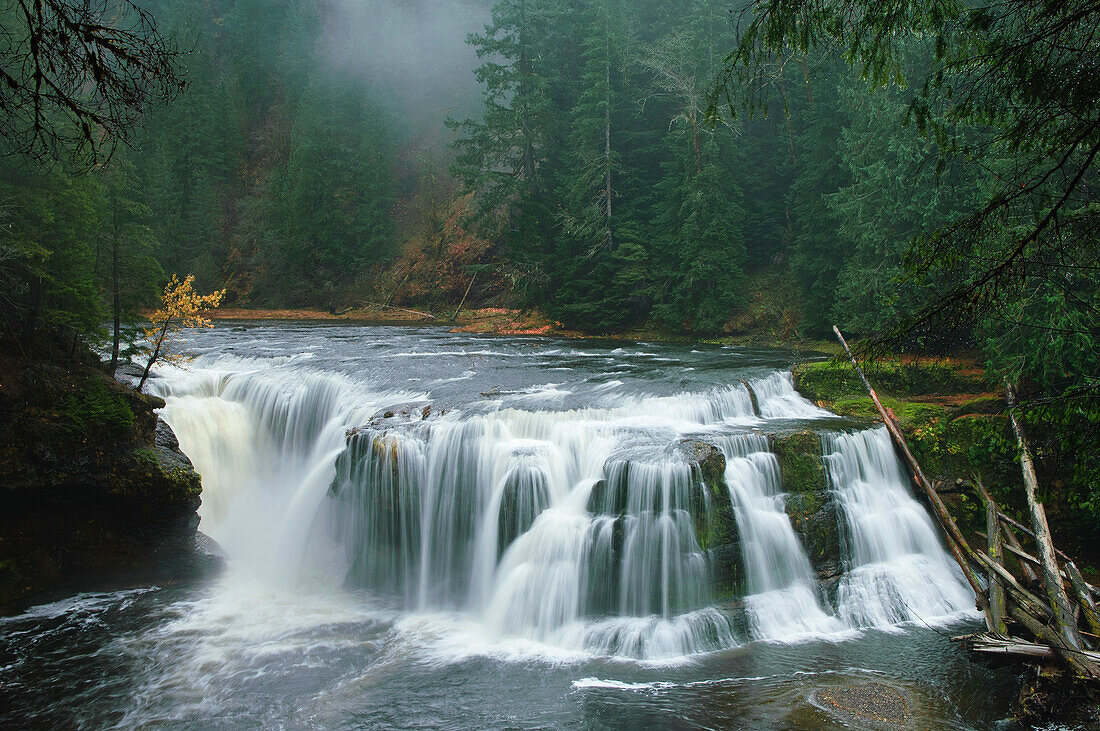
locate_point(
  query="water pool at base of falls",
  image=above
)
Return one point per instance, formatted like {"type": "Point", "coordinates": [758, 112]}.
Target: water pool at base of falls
{"type": "Point", "coordinates": [435, 530]}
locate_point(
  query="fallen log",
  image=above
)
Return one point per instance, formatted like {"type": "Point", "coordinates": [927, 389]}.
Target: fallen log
{"type": "Point", "coordinates": [993, 548]}
{"type": "Point", "coordinates": [1084, 597]}
{"type": "Point", "coordinates": [464, 296]}
{"type": "Point", "coordinates": [1026, 559]}
{"type": "Point", "coordinates": [956, 543]}
{"type": "Point", "coordinates": [1019, 594]}
{"type": "Point", "coordinates": [1013, 544]}
{"type": "Point", "coordinates": [1081, 661]}
{"type": "Point", "coordinates": [1064, 620]}
{"type": "Point", "coordinates": [1015, 646]}
{"type": "Point", "coordinates": [428, 315]}
{"type": "Point", "coordinates": [1026, 531]}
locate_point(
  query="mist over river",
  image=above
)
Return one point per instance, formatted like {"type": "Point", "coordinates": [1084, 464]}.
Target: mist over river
{"type": "Point", "coordinates": [437, 530]}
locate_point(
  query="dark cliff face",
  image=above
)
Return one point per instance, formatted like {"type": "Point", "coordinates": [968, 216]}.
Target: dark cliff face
{"type": "Point", "coordinates": [94, 492]}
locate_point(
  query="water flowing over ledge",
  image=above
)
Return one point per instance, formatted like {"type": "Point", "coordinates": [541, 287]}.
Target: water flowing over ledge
{"type": "Point", "coordinates": [637, 525]}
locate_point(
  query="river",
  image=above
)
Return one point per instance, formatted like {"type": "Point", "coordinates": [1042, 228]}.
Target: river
{"type": "Point", "coordinates": [437, 530]}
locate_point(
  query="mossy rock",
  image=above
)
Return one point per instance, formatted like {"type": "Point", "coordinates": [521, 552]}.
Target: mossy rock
{"type": "Point", "coordinates": [832, 380]}
{"type": "Point", "coordinates": [800, 464]}
{"type": "Point", "coordinates": [608, 496]}
{"type": "Point", "coordinates": [715, 521]}
{"type": "Point", "coordinates": [715, 524]}
{"type": "Point", "coordinates": [815, 517]}
{"type": "Point", "coordinates": [94, 495]}
{"type": "Point", "coordinates": [727, 569]}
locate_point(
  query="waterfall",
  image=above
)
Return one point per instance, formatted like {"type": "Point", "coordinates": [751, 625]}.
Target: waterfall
{"type": "Point", "coordinates": [898, 569]}
{"type": "Point", "coordinates": [265, 442]}
{"type": "Point", "coordinates": [781, 596]}
{"type": "Point", "coordinates": [589, 529]}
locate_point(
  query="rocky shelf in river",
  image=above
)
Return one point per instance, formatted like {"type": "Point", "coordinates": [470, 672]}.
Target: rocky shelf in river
{"type": "Point", "coordinates": [94, 490]}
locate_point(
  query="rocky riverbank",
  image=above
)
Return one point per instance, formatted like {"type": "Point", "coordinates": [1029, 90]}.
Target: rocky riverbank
{"type": "Point", "coordinates": [94, 491]}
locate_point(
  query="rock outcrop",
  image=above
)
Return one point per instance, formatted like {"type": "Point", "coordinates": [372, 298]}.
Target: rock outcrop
{"type": "Point", "coordinates": [810, 504]}
{"type": "Point", "coordinates": [716, 524]}
{"type": "Point", "coordinates": [94, 492]}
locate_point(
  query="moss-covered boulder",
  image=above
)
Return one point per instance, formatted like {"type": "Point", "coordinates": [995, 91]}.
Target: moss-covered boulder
{"type": "Point", "coordinates": [800, 465]}
{"type": "Point", "coordinates": [810, 504]}
{"type": "Point", "coordinates": [94, 491]}
{"type": "Point", "coordinates": [709, 504]}
{"type": "Point", "coordinates": [715, 521]}
{"type": "Point", "coordinates": [815, 517]}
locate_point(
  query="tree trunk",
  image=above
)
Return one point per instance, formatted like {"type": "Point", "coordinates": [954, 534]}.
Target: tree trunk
{"type": "Point", "coordinates": [155, 355]}
{"type": "Point", "coordinates": [464, 296]}
{"type": "Point", "coordinates": [1077, 660]}
{"type": "Point", "coordinates": [1014, 545]}
{"type": "Point", "coordinates": [993, 545]}
{"type": "Point", "coordinates": [1084, 598]}
{"type": "Point", "coordinates": [695, 143]}
{"type": "Point", "coordinates": [806, 80]}
{"type": "Point", "coordinates": [1020, 595]}
{"type": "Point", "coordinates": [787, 121]}
{"type": "Point", "coordinates": [607, 136]}
{"type": "Point", "coordinates": [116, 307]}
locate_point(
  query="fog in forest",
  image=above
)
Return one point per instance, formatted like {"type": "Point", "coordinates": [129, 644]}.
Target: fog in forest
{"type": "Point", "coordinates": [414, 54]}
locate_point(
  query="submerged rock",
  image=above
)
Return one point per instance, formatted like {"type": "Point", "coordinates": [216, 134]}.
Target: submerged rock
{"type": "Point", "coordinates": [881, 706]}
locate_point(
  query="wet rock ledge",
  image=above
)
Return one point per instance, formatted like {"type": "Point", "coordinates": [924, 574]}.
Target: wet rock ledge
{"type": "Point", "coordinates": [94, 492]}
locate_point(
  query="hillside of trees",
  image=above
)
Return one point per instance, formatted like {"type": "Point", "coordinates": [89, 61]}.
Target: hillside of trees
{"type": "Point", "coordinates": [588, 181]}
{"type": "Point", "coordinates": [589, 166]}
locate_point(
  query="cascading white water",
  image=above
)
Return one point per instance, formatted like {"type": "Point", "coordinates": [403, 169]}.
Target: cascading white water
{"type": "Point", "coordinates": [898, 569]}
{"type": "Point", "coordinates": [780, 592]}
{"type": "Point", "coordinates": [778, 399]}
{"type": "Point", "coordinates": [265, 442]}
{"type": "Point", "coordinates": [579, 529]}
{"type": "Point", "coordinates": [528, 520]}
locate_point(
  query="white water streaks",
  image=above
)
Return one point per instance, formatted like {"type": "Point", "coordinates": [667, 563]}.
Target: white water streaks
{"type": "Point", "coordinates": [577, 529]}
{"type": "Point", "coordinates": [781, 596]}
{"type": "Point", "coordinates": [265, 441]}
{"type": "Point", "coordinates": [898, 568]}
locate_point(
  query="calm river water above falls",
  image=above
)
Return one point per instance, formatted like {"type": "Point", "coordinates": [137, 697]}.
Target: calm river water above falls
{"type": "Point", "coordinates": [435, 530]}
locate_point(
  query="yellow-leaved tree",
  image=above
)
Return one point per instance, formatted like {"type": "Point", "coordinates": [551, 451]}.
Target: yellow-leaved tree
{"type": "Point", "coordinates": [181, 307]}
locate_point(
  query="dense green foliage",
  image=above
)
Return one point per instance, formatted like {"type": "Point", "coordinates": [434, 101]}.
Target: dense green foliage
{"type": "Point", "coordinates": [96, 408]}
{"type": "Point", "coordinates": [925, 172]}
{"type": "Point", "coordinates": [1001, 245]}
{"type": "Point", "coordinates": [57, 234]}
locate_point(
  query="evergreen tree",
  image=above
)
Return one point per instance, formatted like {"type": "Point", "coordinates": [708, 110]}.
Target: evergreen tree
{"type": "Point", "coordinates": [894, 195]}
{"type": "Point", "coordinates": [706, 274]}
{"type": "Point", "coordinates": [337, 193]}
{"type": "Point", "coordinates": [598, 273]}
{"type": "Point", "coordinates": [509, 155]}
{"type": "Point", "coordinates": [132, 273]}
{"type": "Point", "coordinates": [47, 249]}
{"type": "Point", "coordinates": [817, 252]}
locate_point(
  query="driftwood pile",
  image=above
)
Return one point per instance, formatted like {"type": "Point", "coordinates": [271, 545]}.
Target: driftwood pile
{"type": "Point", "coordinates": [1049, 612]}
